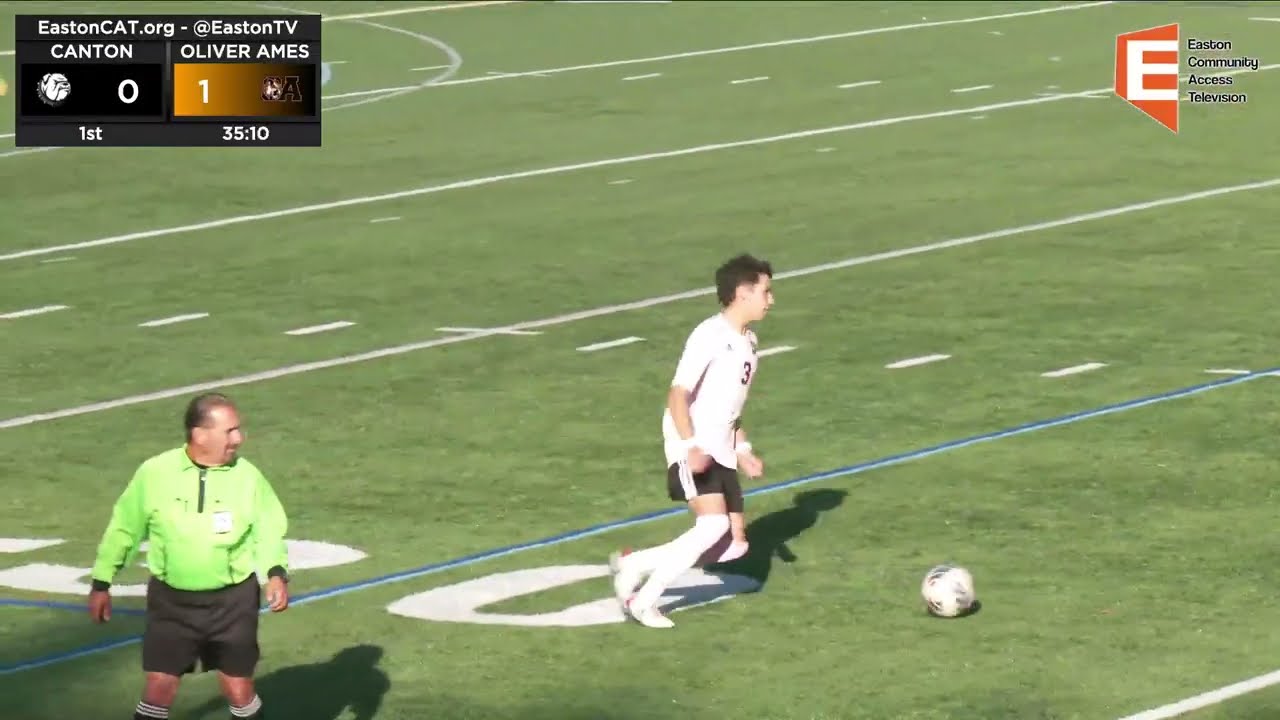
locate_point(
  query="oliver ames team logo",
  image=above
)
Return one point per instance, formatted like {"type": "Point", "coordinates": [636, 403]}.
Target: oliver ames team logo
{"type": "Point", "coordinates": [1147, 72]}
{"type": "Point", "coordinates": [282, 89]}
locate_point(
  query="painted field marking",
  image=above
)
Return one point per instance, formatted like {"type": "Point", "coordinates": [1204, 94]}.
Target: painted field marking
{"type": "Point", "coordinates": [605, 310]}
{"type": "Point", "coordinates": [1073, 370]}
{"type": "Point", "coordinates": [384, 219]}
{"type": "Point", "coordinates": [610, 344]}
{"type": "Point", "coordinates": [428, 67]}
{"type": "Point", "coordinates": [22, 545]}
{"type": "Point", "coordinates": [541, 172]}
{"type": "Point", "coordinates": [825, 149]}
{"type": "Point", "coordinates": [479, 557]}
{"type": "Point", "coordinates": [313, 329]}
{"type": "Point", "coordinates": [775, 350]}
{"type": "Point", "coordinates": [759, 46]}
{"type": "Point", "coordinates": [623, 181]}
{"type": "Point", "coordinates": [559, 169]}
{"type": "Point", "coordinates": [50, 261]}
{"type": "Point", "coordinates": [646, 76]}
{"type": "Point", "coordinates": [863, 83]}
{"type": "Point", "coordinates": [973, 88]}
{"type": "Point", "coordinates": [8, 135]}
{"type": "Point", "coordinates": [495, 332]}
{"type": "Point", "coordinates": [1212, 697]}
{"type": "Point", "coordinates": [1260, 19]}
{"type": "Point", "coordinates": [913, 362]}
{"type": "Point", "coordinates": [29, 312]}
{"type": "Point", "coordinates": [174, 320]}
{"type": "Point", "coordinates": [743, 81]}
{"type": "Point", "coordinates": [1226, 371]}
{"type": "Point", "coordinates": [7, 52]}
{"type": "Point", "coordinates": [416, 9]}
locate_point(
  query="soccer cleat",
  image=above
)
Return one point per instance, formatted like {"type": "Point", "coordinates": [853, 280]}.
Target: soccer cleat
{"type": "Point", "coordinates": [649, 617]}
{"type": "Point", "coordinates": [624, 582]}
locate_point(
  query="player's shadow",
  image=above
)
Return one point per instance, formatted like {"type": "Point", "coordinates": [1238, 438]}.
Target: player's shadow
{"type": "Point", "coordinates": [769, 534]}
{"type": "Point", "coordinates": [350, 680]}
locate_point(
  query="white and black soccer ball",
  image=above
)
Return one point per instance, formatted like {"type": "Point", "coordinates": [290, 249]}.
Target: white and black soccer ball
{"type": "Point", "coordinates": [54, 88]}
{"type": "Point", "coordinates": [948, 591]}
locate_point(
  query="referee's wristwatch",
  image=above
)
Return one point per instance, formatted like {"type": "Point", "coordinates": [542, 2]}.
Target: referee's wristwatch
{"type": "Point", "coordinates": [279, 572]}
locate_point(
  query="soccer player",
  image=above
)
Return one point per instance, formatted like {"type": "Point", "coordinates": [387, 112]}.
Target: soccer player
{"type": "Point", "coordinates": [213, 521]}
{"type": "Point", "coordinates": [704, 442]}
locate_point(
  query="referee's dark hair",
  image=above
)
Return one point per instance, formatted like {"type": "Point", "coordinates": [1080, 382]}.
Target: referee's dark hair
{"type": "Point", "coordinates": [735, 272]}
{"type": "Point", "coordinates": [198, 410]}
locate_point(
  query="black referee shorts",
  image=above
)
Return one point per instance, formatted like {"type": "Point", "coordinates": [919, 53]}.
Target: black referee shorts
{"type": "Point", "coordinates": [218, 628]}
{"type": "Point", "coordinates": [684, 485]}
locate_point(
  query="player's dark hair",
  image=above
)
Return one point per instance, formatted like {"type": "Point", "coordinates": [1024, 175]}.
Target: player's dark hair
{"type": "Point", "coordinates": [736, 272]}
{"type": "Point", "coordinates": [198, 410]}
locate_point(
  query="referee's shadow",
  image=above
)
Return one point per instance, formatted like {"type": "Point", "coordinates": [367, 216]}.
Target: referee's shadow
{"type": "Point", "coordinates": [769, 534]}
{"type": "Point", "coordinates": [351, 679]}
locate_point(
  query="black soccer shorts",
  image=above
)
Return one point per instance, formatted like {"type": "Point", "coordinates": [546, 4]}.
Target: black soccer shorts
{"type": "Point", "coordinates": [218, 628]}
{"type": "Point", "coordinates": [684, 485]}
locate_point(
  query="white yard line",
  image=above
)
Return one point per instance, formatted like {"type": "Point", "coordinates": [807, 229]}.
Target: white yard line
{"type": "Point", "coordinates": [1259, 19]}
{"type": "Point", "coordinates": [7, 135]}
{"type": "Point", "coordinates": [174, 320]}
{"type": "Point", "coordinates": [775, 350]}
{"type": "Point", "coordinates": [913, 362]}
{"type": "Point", "coordinates": [313, 329]}
{"type": "Point", "coordinates": [753, 46]}
{"type": "Point", "coordinates": [1212, 697]}
{"type": "Point", "coordinates": [646, 76]}
{"type": "Point", "coordinates": [300, 368]}
{"type": "Point", "coordinates": [541, 172]}
{"type": "Point", "coordinates": [972, 88]}
{"type": "Point", "coordinates": [480, 330]}
{"type": "Point", "coordinates": [1074, 370]}
{"type": "Point", "coordinates": [7, 52]}
{"type": "Point", "coordinates": [30, 312]}
{"type": "Point", "coordinates": [1226, 371]}
{"type": "Point", "coordinates": [862, 83]}
{"type": "Point", "coordinates": [416, 9]}
{"type": "Point", "coordinates": [743, 81]}
{"type": "Point", "coordinates": [610, 344]}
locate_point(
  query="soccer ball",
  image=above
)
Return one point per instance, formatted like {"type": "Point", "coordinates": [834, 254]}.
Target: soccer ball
{"type": "Point", "coordinates": [948, 591]}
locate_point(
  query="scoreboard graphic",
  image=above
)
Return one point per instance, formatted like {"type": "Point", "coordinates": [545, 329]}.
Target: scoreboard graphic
{"type": "Point", "coordinates": [167, 80]}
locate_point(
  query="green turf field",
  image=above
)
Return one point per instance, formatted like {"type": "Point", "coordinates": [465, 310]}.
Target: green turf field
{"type": "Point", "coordinates": [575, 180]}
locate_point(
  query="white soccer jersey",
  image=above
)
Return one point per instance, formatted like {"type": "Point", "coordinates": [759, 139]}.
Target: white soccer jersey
{"type": "Point", "coordinates": [717, 368]}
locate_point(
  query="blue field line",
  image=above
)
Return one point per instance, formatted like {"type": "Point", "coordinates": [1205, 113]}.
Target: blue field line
{"type": "Point", "coordinates": [54, 605]}
{"type": "Point", "coordinates": [900, 458]}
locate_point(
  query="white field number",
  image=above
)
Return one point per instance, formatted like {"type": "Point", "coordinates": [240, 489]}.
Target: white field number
{"type": "Point", "coordinates": [461, 602]}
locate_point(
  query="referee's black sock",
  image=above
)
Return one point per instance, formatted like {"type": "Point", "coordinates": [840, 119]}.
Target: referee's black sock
{"type": "Point", "coordinates": [252, 711]}
{"type": "Point", "coordinates": [148, 711]}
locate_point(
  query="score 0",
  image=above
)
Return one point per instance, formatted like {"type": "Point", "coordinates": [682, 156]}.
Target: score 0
{"type": "Point", "coordinates": [127, 91]}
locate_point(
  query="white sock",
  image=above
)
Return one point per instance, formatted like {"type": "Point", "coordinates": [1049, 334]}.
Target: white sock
{"type": "Point", "coordinates": [679, 555]}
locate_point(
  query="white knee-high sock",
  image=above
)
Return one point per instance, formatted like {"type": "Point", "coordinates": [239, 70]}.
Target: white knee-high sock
{"type": "Point", "coordinates": [679, 555]}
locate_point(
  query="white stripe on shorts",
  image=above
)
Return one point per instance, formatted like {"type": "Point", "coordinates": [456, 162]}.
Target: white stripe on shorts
{"type": "Point", "coordinates": [686, 480]}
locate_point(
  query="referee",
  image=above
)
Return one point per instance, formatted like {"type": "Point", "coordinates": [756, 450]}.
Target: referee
{"type": "Point", "coordinates": [212, 521]}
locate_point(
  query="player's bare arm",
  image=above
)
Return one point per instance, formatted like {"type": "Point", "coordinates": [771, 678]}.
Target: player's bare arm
{"type": "Point", "coordinates": [678, 400]}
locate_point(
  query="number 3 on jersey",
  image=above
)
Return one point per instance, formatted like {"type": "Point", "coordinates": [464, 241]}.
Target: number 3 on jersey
{"type": "Point", "coordinates": [746, 372]}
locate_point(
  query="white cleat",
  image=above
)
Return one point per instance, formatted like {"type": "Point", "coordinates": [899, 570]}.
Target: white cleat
{"type": "Point", "coordinates": [624, 583]}
{"type": "Point", "coordinates": [649, 617]}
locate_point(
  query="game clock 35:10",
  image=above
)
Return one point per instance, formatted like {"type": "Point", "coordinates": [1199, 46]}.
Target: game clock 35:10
{"type": "Point", "coordinates": [246, 133]}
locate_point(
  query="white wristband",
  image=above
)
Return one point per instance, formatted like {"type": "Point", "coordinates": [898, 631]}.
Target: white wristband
{"type": "Point", "coordinates": [743, 447]}
{"type": "Point", "coordinates": [687, 444]}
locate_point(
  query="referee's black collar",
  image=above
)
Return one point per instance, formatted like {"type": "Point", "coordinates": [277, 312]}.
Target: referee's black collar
{"type": "Point", "coordinates": [189, 464]}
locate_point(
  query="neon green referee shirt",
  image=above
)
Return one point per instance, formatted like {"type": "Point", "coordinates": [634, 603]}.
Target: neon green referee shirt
{"type": "Point", "coordinates": [207, 528]}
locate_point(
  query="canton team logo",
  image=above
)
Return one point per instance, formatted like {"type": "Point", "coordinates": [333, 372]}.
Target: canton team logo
{"type": "Point", "coordinates": [282, 89]}
{"type": "Point", "coordinates": [54, 89]}
{"type": "Point", "coordinates": [1147, 72]}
